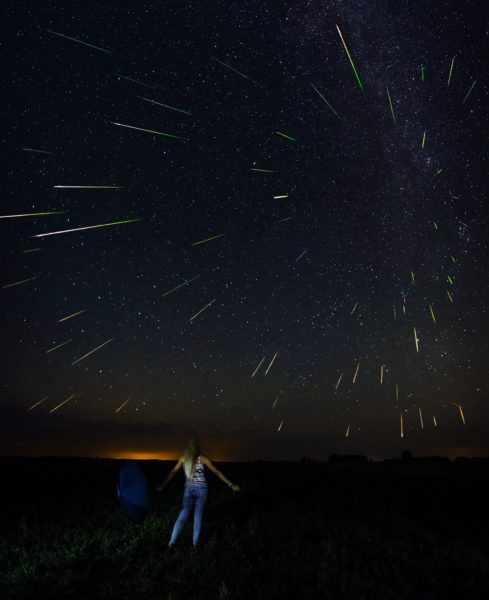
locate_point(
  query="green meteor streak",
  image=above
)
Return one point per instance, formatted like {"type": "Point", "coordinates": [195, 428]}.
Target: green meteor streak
{"type": "Point", "coordinates": [165, 106]}
{"type": "Point", "coordinates": [424, 139]}
{"type": "Point", "coordinates": [287, 137]}
{"type": "Point", "coordinates": [236, 71]}
{"type": "Point", "coordinates": [450, 74]}
{"type": "Point", "coordinates": [324, 99]}
{"type": "Point", "coordinates": [390, 104]}
{"type": "Point", "coordinates": [350, 59]}
{"type": "Point", "coordinates": [78, 41]}
{"type": "Point", "coordinates": [147, 130]}
{"type": "Point", "coordinates": [422, 72]}
{"type": "Point", "coordinates": [439, 171]}
{"type": "Point", "coordinates": [84, 228]}
{"type": "Point", "coordinates": [467, 94]}
{"type": "Point", "coordinates": [214, 237]}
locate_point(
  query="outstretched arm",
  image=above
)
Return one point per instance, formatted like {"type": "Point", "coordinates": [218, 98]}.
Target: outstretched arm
{"type": "Point", "coordinates": [207, 462]}
{"type": "Point", "coordinates": [170, 475]}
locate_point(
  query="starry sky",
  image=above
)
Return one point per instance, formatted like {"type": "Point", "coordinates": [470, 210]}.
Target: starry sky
{"type": "Point", "coordinates": [341, 304]}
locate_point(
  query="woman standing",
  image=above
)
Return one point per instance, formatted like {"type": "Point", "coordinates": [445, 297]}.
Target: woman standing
{"type": "Point", "coordinates": [195, 491]}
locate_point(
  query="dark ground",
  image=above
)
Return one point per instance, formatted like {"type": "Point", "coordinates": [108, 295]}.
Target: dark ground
{"type": "Point", "coordinates": [406, 529]}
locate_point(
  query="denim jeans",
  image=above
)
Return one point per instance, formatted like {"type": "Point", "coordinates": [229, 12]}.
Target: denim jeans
{"type": "Point", "coordinates": [192, 494]}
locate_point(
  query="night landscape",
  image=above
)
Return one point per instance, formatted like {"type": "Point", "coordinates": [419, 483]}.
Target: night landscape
{"type": "Point", "coordinates": [262, 227]}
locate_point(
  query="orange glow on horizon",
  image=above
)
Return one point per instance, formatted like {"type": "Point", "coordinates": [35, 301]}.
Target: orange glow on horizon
{"type": "Point", "coordinates": [129, 454]}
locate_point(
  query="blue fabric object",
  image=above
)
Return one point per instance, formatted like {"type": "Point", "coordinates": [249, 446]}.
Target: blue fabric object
{"type": "Point", "coordinates": [132, 491]}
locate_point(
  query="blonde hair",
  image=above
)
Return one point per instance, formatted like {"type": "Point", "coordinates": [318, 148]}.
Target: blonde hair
{"type": "Point", "coordinates": [190, 456]}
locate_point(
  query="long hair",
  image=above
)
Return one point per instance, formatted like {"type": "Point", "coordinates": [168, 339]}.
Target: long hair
{"type": "Point", "coordinates": [190, 456]}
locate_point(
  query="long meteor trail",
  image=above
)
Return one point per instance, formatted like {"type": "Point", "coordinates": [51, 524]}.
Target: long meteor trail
{"type": "Point", "coordinates": [390, 104]}
{"type": "Point", "coordinates": [350, 59]}
{"type": "Point", "coordinates": [179, 286]}
{"type": "Point", "coordinates": [236, 71]}
{"type": "Point", "coordinates": [271, 363]}
{"type": "Point", "coordinates": [67, 37]}
{"type": "Point", "coordinates": [39, 235]}
{"type": "Point", "coordinates": [214, 237]}
{"type": "Point", "coordinates": [61, 403]}
{"type": "Point", "coordinates": [122, 406]}
{"type": "Point", "coordinates": [153, 87]}
{"type": "Point", "coordinates": [19, 282]}
{"type": "Point", "coordinates": [91, 351]}
{"type": "Point", "coordinates": [468, 93]}
{"type": "Point", "coordinates": [324, 100]}
{"type": "Point", "coordinates": [170, 135]}
{"type": "Point", "coordinates": [37, 403]}
{"type": "Point", "coordinates": [450, 74]}
{"type": "Point", "coordinates": [35, 150]}
{"type": "Point", "coordinates": [73, 315]}
{"type": "Point", "coordinates": [202, 310]}
{"type": "Point", "coordinates": [165, 105]}
{"type": "Point", "coordinates": [287, 137]}
{"type": "Point", "coordinates": [38, 214]}
{"type": "Point", "coordinates": [58, 346]}
{"type": "Point", "coordinates": [88, 187]}
{"type": "Point", "coordinates": [256, 370]}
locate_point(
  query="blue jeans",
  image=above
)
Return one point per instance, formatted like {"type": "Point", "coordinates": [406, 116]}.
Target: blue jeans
{"type": "Point", "coordinates": [191, 494]}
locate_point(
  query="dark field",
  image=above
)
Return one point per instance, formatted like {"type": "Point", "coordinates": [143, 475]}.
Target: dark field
{"type": "Point", "coordinates": [296, 530]}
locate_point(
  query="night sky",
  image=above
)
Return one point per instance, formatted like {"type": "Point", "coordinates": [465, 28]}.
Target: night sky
{"type": "Point", "coordinates": [372, 264]}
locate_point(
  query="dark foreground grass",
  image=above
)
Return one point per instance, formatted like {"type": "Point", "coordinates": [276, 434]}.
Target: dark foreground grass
{"type": "Point", "coordinates": [294, 531]}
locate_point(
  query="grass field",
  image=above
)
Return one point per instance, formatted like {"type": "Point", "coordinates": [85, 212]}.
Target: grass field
{"type": "Point", "coordinates": [296, 530]}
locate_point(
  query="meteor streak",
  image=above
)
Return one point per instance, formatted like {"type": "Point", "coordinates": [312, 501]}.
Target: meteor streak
{"type": "Point", "coordinates": [434, 421]}
{"type": "Point", "coordinates": [424, 140]}
{"type": "Point", "coordinates": [347, 431]}
{"type": "Point", "coordinates": [301, 255]}
{"type": "Point", "coordinates": [122, 406]}
{"type": "Point", "coordinates": [19, 282]}
{"type": "Point", "coordinates": [92, 351]}
{"type": "Point", "coordinates": [287, 137]}
{"type": "Point", "coordinates": [256, 370]}
{"type": "Point", "coordinates": [354, 308]}
{"type": "Point", "coordinates": [34, 150]}
{"type": "Point", "coordinates": [236, 71]}
{"type": "Point", "coordinates": [280, 426]}
{"type": "Point", "coordinates": [58, 346]}
{"type": "Point", "coordinates": [262, 170]}
{"type": "Point", "coordinates": [61, 404]}
{"type": "Point", "coordinates": [271, 363]}
{"type": "Point", "coordinates": [202, 309]}
{"type": "Point", "coordinates": [170, 135]}
{"type": "Point", "coordinates": [283, 196]}
{"type": "Point", "coordinates": [422, 72]}
{"type": "Point", "coordinates": [356, 372]}
{"type": "Point", "coordinates": [432, 314]}
{"type": "Point", "coordinates": [461, 414]}
{"type": "Point", "coordinates": [324, 99]}
{"type": "Point", "coordinates": [71, 316]}
{"type": "Point", "coordinates": [381, 374]}
{"type": "Point", "coordinates": [421, 417]}
{"type": "Point", "coordinates": [38, 214]}
{"type": "Point", "coordinates": [416, 339]}
{"type": "Point", "coordinates": [275, 401]}
{"type": "Point", "coordinates": [450, 296]}
{"type": "Point", "coordinates": [79, 41]}
{"type": "Point", "coordinates": [468, 93]}
{"type": "Point", "coordinates": [39, 235]}
{"type": "Point", "coordinates": [153, 87]}
{"type": "Point", "coordinates": [88, 187]}
{"type": "Point", "coordinates": [37, 403]}
{"type": "Point", "coordinates": [450, 74]}
{"type": "Point", "coordinates": [31, 250]}
{"type": "Point", "coordinates": [350, 59]}
{"type": "Point", "coordinates": [179, 286]}
{"type": "Point", "coordinates": [390, 104]}
{"type": "Point", "coordinates": [338, 382]}
{"type": "Point", "coordinates": [165, 106]}
{"type": "Point", "coordinates": [214, 237]}
{"type": "Point", "coordinates": [402, 427]}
